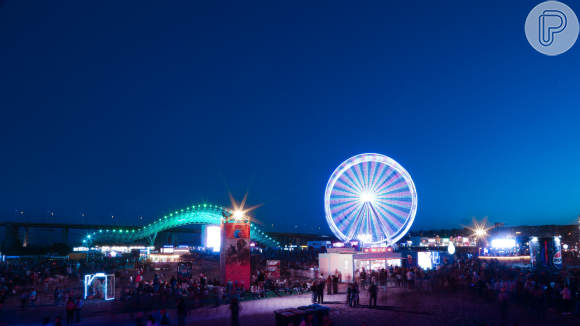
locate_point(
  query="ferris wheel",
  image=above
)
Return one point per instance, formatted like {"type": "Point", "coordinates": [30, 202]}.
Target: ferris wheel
{"type": "Point", "coordinates": [370, 197]}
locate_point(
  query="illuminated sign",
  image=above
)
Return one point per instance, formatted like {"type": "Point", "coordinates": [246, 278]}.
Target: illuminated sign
{"type": "Point", "coordinates": [213, 237]}
{"type": "Point", "coordinates": [338, 244]}
{"type": "Point", "coordinates": [503, 243]}
{"type": "Point", "coordinates": [80, 249]}
{"type": "Point", "coordinates": [378, 249]}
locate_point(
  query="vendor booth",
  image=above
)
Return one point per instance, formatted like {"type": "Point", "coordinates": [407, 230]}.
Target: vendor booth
{"type": "Point", "coordinates": [345, 264]}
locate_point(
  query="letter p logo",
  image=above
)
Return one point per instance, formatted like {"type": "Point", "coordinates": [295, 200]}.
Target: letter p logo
{"type": "Point", "coordinates": [552, 28]}
{"type": "Point", "coordinates": [551, 22]}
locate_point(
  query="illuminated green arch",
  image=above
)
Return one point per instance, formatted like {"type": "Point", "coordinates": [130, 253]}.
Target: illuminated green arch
{"type": "Point", "coordinates": [207, 214]}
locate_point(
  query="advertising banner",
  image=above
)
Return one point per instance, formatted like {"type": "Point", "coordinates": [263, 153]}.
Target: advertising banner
{"type": "Point", "coordinates": [184, 271]}
{"type": "Point", "coordinates": [235, 253]}
{"type": "Point", "coordinates": [273, 267]}
{"type": "Point", "coordinates": [545, 252]}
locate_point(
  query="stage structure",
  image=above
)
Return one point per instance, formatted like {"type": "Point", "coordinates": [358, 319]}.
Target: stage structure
{"type": "Point", "coordinates": [100, 283]}
{"type": "Point", "coordinates": [372, 198]}
{"type": "Point", "coordinates": [208, 214]}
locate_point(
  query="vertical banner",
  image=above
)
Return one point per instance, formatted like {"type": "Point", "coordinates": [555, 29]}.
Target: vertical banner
{"type": "Point", "coordinates": [235, 253]}
{"type": "Point", "coordinates": [184, 271]}
{"type": "Point", "coordinates": [273, 267]}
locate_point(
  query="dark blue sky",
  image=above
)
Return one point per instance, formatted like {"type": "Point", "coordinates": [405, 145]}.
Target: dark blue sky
{"type": "Point", "coordinates": [135, 108]}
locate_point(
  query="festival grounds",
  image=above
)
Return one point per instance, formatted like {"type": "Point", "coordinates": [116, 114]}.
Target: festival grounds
{"type": "Point", "coordinates": [395, 306]}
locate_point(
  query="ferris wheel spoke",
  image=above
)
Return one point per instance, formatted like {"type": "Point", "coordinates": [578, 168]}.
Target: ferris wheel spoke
{"type": "Point", "coordinates": [389, 211]}
{"type": "Point", "coordinates": [406, 193]}
{"type": "Point", "coordinates": [339, 200]}
{"type": "Point", "coordinates": [398, 184]}
{"type": "Point", "coordinates": [340, 192]}
{"type": "Point", "coordinates": [397, 214]}
{"type": "Point", "coordinates": [355, 225]}
{"type": "Point", "coordinates": [351, 222]}
{"type": "Point", "coordinates": [374, 224]}
{"type": "Point", "coordinates": [366, 176]}
{"type": "Point", "coordinates": [355, 180]}
{"type": "Point", "coordinates": [396, 202]}
{"type": "Point", "coordinates": [360, 174]}
{"type": "Point", "coordinates": [337, 209]}
{"type": "Point", "coordinates": [374, 175]}
{"type": "Point", "coordinates": [385, 176]}
{"type": "Point", "coordinates": [383, 223]}
{"type": "Point", "coordinates": [346, 183]}
{"type": "Point", "coordinates": [344, 218]}
{"type": "Point", "coordinates": [390, 179]}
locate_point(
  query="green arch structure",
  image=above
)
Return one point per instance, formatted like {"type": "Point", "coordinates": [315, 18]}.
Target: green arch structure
{"type": "Point", "coordinates": [197, 214]}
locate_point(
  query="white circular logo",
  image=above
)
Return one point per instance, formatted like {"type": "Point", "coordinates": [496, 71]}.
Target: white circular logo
{"type": "Point", "coordinates": [552, 28]}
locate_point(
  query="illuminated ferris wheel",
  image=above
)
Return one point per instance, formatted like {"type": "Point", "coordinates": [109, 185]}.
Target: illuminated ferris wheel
{"type": "Point", "coordinates": [370, 197]}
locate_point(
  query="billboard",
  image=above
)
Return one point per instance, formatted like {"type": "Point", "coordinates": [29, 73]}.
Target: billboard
{"type": "Point", "coordinates": [235, 253]}
{"type": "Point", "coordinates": [273, 267]}
{"type": "Point", "coordinates": [545, 252]}
{"type": "Point", "coordinates": [184, 271]}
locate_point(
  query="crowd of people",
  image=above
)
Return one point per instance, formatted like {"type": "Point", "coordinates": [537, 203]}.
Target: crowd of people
{"type": "Point", "coordinates": [484, 280]}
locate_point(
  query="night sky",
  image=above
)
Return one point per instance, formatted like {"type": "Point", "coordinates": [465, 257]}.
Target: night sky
{"type": "Point", "coordinates": [136, 108]}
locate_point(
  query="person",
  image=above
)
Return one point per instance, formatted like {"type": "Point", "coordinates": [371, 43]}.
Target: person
{"type": "Point", "coordinates": [218, 295]}
{"type": "Point", "coordinates": [150, 321]}
{"type": "Point", "coordinates": [373, 294]}
{"type": "Point", "coordinates": [503, 303]}
{"type": "Point", "coordinates": [58, 321]}
{"type": "Point", "coordinates": [173, 282]}
{"type": "Point", "coordinates": [46, 321]}
{"type": "Point", "coordinates": [181, 312]}
{"type": "Point", "coordinates": [411, 278]}
{"type": "Point", "coordinates": [70, 309]}
{"type": "Point", "coordinates": [24, 300]}
{"type": "Point", "coordinates": [357, 295]}
{"type": "Point", "coordinates": [314, 290]}
{"type": "Point", "coordinates": [363, 278]}
{"type": "Point", "coordinates": [56, 295]}
{"type": "Point", "coordinates": [32, 298]}
{"type": "Point", "coordinates": [349, 296]}
{"type": "Point", "coordinates": [165, 317]}
{"type": "Point", "coordinates": [335, 284]}
{"type": "Point", "coordinates": [320, 291]}
{"type": "Point", "coordinates": [328, 287]}
{"type": "Point", "coordinates": [2, 298]}
{"type": "Point", "coordinates": [557, 295]}
{"type": "Point", "coordinates": [566, 300]}
{"type": "Point", "coordinates": [78, 307]}
{"type": "Point", "coordinates": [235, 308]}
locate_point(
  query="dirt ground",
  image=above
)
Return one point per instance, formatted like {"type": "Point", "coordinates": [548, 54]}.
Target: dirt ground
{"type": "Point", "coordinates": [396, 306]}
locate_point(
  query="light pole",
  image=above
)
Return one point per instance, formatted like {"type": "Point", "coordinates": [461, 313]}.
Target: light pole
{"type": "Point", "coordinates": [47, 216]}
